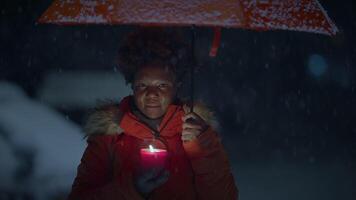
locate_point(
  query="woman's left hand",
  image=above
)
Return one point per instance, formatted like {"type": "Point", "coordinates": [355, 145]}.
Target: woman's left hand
{"type": "Point", "coordinates": [193, 126]}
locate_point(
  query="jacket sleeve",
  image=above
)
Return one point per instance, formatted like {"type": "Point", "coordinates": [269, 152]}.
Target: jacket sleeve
{"type": "Point", "coordinates": [213, 178]}
{"type": "Point", "coordinates": [94, 175]}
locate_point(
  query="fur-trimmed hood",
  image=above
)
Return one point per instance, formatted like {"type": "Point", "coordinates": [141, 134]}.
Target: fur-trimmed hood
{"type": "Point", "coordinates": [105, 118]}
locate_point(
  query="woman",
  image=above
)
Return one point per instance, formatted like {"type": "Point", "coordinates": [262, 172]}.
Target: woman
{"type": "Point", "coordinates": [111, 168]}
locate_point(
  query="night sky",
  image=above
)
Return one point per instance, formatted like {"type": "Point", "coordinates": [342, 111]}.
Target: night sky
{"type": "Point", "coordinates": [285, 101]}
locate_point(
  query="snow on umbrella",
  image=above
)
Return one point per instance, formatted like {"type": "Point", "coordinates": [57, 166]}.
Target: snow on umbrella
{"type": "Point", "coordinates": [297, 15]}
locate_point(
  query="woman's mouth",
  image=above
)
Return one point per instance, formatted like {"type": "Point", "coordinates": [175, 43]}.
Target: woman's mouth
{"type": "Point", "coordinates": [152, 106]}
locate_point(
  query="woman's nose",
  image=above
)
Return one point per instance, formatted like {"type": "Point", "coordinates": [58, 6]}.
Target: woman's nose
{"type": "Point", "coordinates": [152, 91]}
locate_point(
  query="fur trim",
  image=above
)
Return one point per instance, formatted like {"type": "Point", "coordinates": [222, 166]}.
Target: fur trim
{"type": "Point", "coordinates": [104, 120]}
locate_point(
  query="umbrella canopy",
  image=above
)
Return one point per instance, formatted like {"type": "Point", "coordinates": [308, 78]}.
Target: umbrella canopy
{"type": "Point", "coordinates": [298, 15]}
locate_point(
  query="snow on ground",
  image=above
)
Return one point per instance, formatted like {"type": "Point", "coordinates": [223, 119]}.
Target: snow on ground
{"type": "Point", "coordinates": [50, 144]}
{"type": "Point", "coordinates": [8, 165]}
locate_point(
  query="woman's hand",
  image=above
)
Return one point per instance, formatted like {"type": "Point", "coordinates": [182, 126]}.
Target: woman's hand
{"type": "Point", "coordinates": [193, 126]}
{"type": "Point", "coordinates": [150, 179]}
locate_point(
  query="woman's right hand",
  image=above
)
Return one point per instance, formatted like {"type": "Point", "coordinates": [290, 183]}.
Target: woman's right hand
{"type": "Point", "coordinates": [150, 179]}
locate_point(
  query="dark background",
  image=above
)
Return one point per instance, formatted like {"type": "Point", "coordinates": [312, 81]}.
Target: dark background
{"type": "Point", "coordinates": [290, 134]}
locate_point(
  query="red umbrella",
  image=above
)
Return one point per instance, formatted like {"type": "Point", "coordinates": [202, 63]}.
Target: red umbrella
{"type": "Point", "coordinates": [296, 15]}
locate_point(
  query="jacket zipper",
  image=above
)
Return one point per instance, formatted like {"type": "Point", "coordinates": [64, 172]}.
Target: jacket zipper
{"type": "Point", "coordinates": [155, 133]}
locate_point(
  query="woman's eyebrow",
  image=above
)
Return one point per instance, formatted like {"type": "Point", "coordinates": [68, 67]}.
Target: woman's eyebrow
{"type": "Point", "coordinates": [153, 81]}
{"type": "Point", "coordinates": [163, 81]}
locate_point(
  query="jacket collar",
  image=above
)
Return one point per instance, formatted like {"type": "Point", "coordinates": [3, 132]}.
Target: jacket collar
{"type": "Point", "coordinates": [170, 125]}
{"type": "Point", "coordinates": [110, 118]}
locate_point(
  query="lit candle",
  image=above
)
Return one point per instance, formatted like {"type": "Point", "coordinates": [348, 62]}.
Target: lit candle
{"type": "Point", "coordinates": [153, 158]}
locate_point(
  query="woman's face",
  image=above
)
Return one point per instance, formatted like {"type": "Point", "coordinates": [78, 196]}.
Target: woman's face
{"type": "Point", "coordinates": [154, 90]}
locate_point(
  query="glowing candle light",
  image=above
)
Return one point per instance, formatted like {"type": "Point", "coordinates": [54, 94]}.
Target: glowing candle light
{"type": "Point", "coordinates": [151, 148]}
{"type": "Point", "coordinates": [153, 158]}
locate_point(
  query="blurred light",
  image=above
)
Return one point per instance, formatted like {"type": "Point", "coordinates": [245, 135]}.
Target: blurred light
{"type": "Point", "coordinates": [82, 89]}
{"type": "Point", "coordinates": [317, 65]}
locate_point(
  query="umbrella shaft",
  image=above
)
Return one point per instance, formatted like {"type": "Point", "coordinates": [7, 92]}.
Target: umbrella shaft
{"type": "Point", "coordinates": [192, 68]}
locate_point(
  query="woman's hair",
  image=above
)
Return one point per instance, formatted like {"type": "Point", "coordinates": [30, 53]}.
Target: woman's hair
{"type": "Point", "coordinates": [145, 46]}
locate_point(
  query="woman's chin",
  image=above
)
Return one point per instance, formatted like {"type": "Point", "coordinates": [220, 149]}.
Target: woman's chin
{"type": "Point", "coordinates": [153, 114]}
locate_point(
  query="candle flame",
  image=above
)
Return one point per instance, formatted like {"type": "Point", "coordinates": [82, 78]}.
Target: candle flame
{"type": "Point", "coordinates": [151, 148]}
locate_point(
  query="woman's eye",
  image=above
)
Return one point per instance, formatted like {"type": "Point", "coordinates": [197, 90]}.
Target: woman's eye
{"type": "Point", "coordinates": [140, 86]}
{"type": "Point", "coordinates": [163, 86]}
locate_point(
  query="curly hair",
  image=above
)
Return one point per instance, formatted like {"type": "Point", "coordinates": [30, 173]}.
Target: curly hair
{"type": "Point", "coordinates": [145, 46]}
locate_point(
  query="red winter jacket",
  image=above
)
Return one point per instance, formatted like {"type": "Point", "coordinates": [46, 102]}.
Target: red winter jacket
{"type": "Point", "coordinates": [199, 169]}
